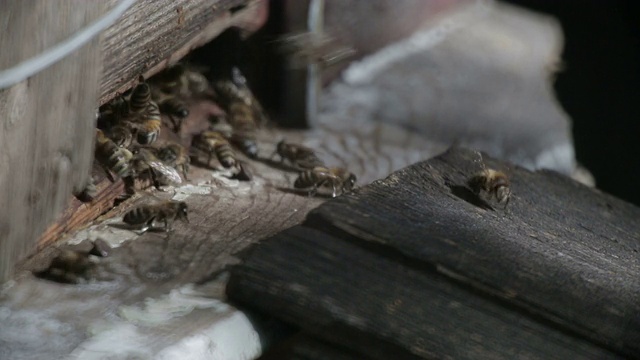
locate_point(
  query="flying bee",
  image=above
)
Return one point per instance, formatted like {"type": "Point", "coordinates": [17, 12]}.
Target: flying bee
{"type": "Point", "coordinates": [214, 143]}
{"type": "Point", "coordinates": [493, 183]}
{"type": "Point", "coordinates": [69, 266]}
{"type": "Point", "coordinates": [174, 154]}
{"type": "Point", "coordinates": [111, 156]}
{"type": "Point", "coordinates": [337, 178]}
{"type": "Point", "coordinates": [298, 155]}
{"type": "Point", "coordinates": [144, 162]}
{"type": "Point", "coordinates": [166, 212]}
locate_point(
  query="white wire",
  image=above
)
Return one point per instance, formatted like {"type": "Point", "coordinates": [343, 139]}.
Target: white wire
{"type": "Point", "coordinates": [54, 54]}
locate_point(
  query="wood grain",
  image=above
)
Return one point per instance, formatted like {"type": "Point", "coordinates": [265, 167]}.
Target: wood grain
{"type": "Point", "coordinates": [45, 151]}
{"type": "Point", "coordinates": [155, 34]}
{"type": "Point", "coordinates": [551, 276]}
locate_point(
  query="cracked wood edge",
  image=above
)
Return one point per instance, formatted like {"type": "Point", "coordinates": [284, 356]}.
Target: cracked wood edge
{"type": "Point", "coordinates": [155, 34]}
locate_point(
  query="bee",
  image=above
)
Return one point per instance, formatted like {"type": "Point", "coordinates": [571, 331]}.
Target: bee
{"type": "Point", "coordinates": [214, 142]}
{"type": "Point", "coordinates": [113, 112]}
{"type": "Point", "coordinates": [121, 135]}
{"type": "Point", "coordinates": [69, 266]}
{"type": "Point", "coordinates": [148, 126]}
{"type": "Point", "coordinates": [245, 114]}
{"type": "Point", "coordinates": [144, 162]}
{"type": "Point", "coordinates": [491, 182]}
{"type": "Point", "coordinates": [337, 178]}
{"type": "Point", "coordinates": [176, 109]}
{"type": "Point", "coordinates": [112, 157]}
{"type": "Point", "coordinates": [174, 154]}
{"type": "Point", "coordinates": [140, 98]}
{"type": "Point", "coordinates": [166, 212]}
{"type": "Point", "coordinates": [298, 155]}
{"type": "Point", "coordinates": [182, 80]}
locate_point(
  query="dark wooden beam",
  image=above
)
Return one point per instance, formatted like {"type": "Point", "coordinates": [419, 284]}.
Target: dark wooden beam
{"type": "Point", "coordinates": [416, 265]}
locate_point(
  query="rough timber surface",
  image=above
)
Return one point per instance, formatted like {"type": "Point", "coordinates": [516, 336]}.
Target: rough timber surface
{"type": "Point", "coordinates": [44, 149]}
{"type": "Point", "coordinates": [415, 265]}
{"type": "Point", "coordinates": [153, 34]}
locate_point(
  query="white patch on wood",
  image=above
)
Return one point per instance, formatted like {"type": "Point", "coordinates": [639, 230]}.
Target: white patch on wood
{"type": "Point", "coordinates": [179, 302]}
{"type": "Point", "coordinates": [233, 338]}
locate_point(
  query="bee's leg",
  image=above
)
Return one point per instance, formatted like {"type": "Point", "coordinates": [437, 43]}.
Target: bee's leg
{"type": "Point", "coordinates": [185, 171]}
{"type": "Point", "coordinates": [155, 179]}
{"type": "Point", "coordinates": [147, 226]}
{"type": "Point", "coordinates": [313, 191]}
{"type": "Point", "coordinates": [108, 173]}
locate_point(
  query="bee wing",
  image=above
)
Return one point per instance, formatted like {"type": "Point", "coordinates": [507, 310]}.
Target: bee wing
{"type": "Point", "coordinates": [167, 172]}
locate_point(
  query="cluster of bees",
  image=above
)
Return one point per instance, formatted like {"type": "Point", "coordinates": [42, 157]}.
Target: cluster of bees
{"type": "Point", "coordinates": [128, 145]}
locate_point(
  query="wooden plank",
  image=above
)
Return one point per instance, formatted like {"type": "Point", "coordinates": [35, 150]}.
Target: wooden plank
{"type": "Point", "coordinates": [153, 34]}
{"type": "Point", "coordinates": [47, 119]}
{"type": "Point", "coordinates": [553, 271]}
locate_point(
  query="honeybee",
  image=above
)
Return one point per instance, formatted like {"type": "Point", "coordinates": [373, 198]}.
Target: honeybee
{"type": "Point", "coordinates": [214, 142]}
{"type": "Point", "coordinates": [144, 162]}
{"type": "Point", "coordinates": [241, 119]}
{"type": "Point", "coordinates": [243, 173]}
{"type": "Point", "coordinates": [493, 183]}
{"type": "Point", "coordinates": [174, 154]}
{"type": "Point", "coordinates": [175, 108]}
{"type": "Point", "coordinates": [140, 98]}
{"type": "Point", "coordinates": [121, 135]}
{"type": "Point", "coordinates": [166, 212]}
{"type": "Point", "coordinates": [113, 112]}
{"type": "Point", "coordinates": [149, 124]}
{"type": "Point", "coordinates": [298, 155]}
{"type": "Point", "coordinates": [69, 266]}
{"type": "Point", "coordinates": [112, 157]}
{"type": "Point", "coordinates": [245, 114]}
{"type": "Point", "coordinates": [337, 178]}
{"type": "Point", "coordinates": [181, 80]}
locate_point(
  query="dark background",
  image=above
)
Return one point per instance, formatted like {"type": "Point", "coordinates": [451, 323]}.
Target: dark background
{"type": "Point", "coordinates": [599, 87]}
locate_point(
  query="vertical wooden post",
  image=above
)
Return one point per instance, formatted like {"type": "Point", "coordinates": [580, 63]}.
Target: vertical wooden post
{"type": "Point", "coordinates": [46, 121]}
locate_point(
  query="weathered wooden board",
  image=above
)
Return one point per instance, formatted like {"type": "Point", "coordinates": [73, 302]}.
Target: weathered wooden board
{"type": "Point", "coordinates": [415, 262]}
{"type": "Point", "coordinates": [153, 34]}
{"type": "Point", "coordinates": [46, 120]}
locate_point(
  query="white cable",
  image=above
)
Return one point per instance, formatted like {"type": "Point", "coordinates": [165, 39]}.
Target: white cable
{"type": "Point", "coordinates": [52, 55]}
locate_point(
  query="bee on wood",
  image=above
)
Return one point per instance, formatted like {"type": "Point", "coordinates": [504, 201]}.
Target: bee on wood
{"type": "Point", "coordinates": [121, 135]}
{"type": "Point", "coordinates": [176, 109]}
{"type": "Point", "coordinates": [174, 154]}
{"type": "Point", "coordinates": [144, 162]}
{"type": "Point", "coordinates": [241, 119]}
{"type": "Point", "coordinates": [148, 125]}
{"type": "Point", "coordinates": [113, 112]}
{"type": "Point", "coordinates": [245, 114]}
{"type": "Point", "coordinates": [493, 183]}
{"type": "Point", "coordinates": [140, 98]}
{"type": "Point", "coordinates": [214, 143]}
{"type": "Point", "coordinates": [298, 155]}
{"type": "Point", "coordinates": [148, 215]}
{"type": "Point", "coordinates": [69, 266]}
{"type": "Point", "coordinates": [111, 156]}
{"type": "Point", "coordinates": [337, 178]}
